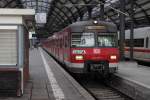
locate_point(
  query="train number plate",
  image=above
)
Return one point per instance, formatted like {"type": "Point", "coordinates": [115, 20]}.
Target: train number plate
{"type": "Point", "coordinates": [78, 52]}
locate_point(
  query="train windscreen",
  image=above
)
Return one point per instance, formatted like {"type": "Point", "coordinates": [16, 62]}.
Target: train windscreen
{"type": "Point", "coordinates": [106, 40]}
{"type": "Point", "coordinates": [83, 39]}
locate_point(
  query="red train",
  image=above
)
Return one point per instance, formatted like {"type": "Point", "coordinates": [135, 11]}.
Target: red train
{"type": "Point", "coordinates": [86, 46]}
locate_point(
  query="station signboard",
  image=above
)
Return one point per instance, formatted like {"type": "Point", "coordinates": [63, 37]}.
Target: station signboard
{"type": "Point", "coordinates": [40, 18]}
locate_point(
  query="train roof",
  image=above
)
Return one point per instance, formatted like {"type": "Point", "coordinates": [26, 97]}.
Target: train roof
{"type": "Point", "coordinates": [79, 26]}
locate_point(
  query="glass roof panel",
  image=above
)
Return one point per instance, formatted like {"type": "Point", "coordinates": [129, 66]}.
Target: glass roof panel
{"type": "Point", "coordinates": [38, 5]}
{"type": "Point", "coordinates": [142, 8]}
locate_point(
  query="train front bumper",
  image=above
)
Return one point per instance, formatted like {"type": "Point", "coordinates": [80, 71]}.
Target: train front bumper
{"type": "Point", "coordinates": [82, 68]}
{"type": "Point", "coordinates": [113, 67]}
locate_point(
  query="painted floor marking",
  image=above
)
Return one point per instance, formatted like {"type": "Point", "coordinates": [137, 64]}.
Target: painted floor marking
{"type": "Point", "coordinates": [57, 91]}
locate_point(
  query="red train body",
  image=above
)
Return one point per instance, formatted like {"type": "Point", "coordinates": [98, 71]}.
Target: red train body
{"type": "Point", "coordinates": [86, 46]}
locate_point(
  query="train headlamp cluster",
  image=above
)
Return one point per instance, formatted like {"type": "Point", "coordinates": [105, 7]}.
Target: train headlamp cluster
{"type": "Point", "coordinates": [79, 57]}
{"type": "Point", "coordinates": [113, 57]}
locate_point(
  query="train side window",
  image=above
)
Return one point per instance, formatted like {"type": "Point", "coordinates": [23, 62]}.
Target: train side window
{"type": "Point", "coordinates": [62, 42]}
{"type": "Point", "coordinates": [139, 42]}
{"type": "Point", "coordinates": [147, 40]}
{"type": "Point", "coordinates": [59, 43]}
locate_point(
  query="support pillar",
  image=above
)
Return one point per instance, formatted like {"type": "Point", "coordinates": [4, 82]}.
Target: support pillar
{"type": "Point", "coordinates": [102, 11]}
{"type": "Point", "coordinates": [132, 30]}
{"type": "Point", "coordinates": [122, 29]}
{"type": "Point", "coordinates": [37, 6]}
{"type": "Point", "coordinates": [89, 13]}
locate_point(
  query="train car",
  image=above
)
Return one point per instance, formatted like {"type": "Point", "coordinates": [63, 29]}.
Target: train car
{"type": "Point", "coordinates": [141, 44]}
{"type": "Point", "coordinates": [86, 46]}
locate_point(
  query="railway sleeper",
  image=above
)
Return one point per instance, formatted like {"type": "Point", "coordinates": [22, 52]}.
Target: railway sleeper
{"type": "Point", "coordinates": [107, 97]}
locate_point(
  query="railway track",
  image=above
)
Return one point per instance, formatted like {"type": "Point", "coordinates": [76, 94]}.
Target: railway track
{"type": "Point", "coordinates": [96, 87]}
{"type": "Point", "coordinates": [99, 90]}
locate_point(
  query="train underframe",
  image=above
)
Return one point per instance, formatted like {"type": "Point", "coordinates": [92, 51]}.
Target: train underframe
{"type": "Point", "coordinates": [102, 67]}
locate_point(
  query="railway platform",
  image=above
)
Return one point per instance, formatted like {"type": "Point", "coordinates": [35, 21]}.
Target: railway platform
{"type": "Point", "coordinates": [133, 80]}
{"type": "Point", "coordinates": [48, 81]}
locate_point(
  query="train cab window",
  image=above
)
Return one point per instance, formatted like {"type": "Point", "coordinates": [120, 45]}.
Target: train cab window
{"type": "Point", "coordinates": [106, 41]}
{"type": "Point", "coordinates": [139, 42]}
{"type": "Point", "coordinates": [83, 39]}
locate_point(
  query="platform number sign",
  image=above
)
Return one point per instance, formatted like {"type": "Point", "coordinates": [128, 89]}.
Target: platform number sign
{"type": "Point", "coordinates": [40, 18]}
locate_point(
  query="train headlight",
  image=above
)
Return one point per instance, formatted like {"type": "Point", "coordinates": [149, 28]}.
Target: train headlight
{"type": "Point", "coordinates": [113, 57]}
{"type": "Point", "coordinates": [79, 57]}
{"type": "Point", "coordinates": [95, 22]}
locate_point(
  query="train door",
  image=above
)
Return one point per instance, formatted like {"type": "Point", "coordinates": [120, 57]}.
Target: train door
{"type": "Point", "coordinates": [64, 47]}
{"type": "Point", "coordinates": [61, 49]}
{"type": "Point", "coordinates": [147, 46]}
{"type": "Point", "coordinates": [146, 38]}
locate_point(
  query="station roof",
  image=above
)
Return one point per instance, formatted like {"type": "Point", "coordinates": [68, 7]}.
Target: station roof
{"type": "Point", "coordinates": [61, 13]}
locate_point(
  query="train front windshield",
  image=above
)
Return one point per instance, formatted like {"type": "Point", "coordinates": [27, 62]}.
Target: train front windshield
{"type": "Point", "coordinates": [106, 41]}
{"type": "Point", "coordinates": [83, 40]}
{"type": "Point", "coordinates": [88, 39]}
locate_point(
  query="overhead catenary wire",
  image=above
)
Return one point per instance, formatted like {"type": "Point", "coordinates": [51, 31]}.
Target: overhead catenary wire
{"type": "Point", "coordinates": [100, 3]}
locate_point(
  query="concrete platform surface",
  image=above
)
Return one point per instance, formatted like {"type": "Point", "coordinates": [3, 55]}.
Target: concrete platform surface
{"type": "Point", "coordinates": [133, 80]}
{"type": "Point", "coordinates": [137, 73]}
{"type": "Point", "coordinates": [48, 81]}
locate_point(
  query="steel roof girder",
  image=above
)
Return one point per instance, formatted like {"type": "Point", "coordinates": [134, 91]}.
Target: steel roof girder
{"type": "Point", "coordinates": [8, 3]}
{"type": "Point", "coordinates": [57, 17]}
{"type": "Point", "coordinates": [64, 14]}
{"type": "Point", "coordinates": [78, 10]}
{"type": "Point", "coordinates": [69, 11]}
{"type": "Point", "coordinates": [146, 15]}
